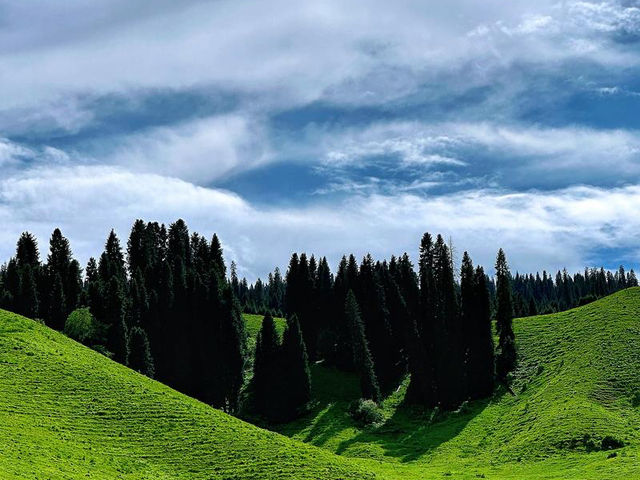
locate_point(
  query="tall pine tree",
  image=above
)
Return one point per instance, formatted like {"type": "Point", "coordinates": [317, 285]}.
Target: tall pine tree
{"type": "Point", "coordinates": [506, 355]}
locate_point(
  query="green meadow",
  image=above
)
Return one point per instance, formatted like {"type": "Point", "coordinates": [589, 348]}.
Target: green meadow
{"type": "Point", "coordinates": [68, 412]}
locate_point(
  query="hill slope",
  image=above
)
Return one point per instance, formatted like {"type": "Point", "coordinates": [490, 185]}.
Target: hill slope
{"type": "Point", "coordinates": [68, 412]}
{"type": "Point", "coordinates": [579, 372]}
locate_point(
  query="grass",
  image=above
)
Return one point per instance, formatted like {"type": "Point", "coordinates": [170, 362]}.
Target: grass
{"type": "Point", "coordinates": [578, 376]}
{"type": "Point", "coordinates": [68, 412]}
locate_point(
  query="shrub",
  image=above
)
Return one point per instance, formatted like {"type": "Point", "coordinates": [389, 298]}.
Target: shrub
{"type": "Point", "coordinates": [80, 325]}
{"type": "Point", "coordinates": [635, 401]}
{"type": "Point", "coordinates": [611, 443]}
{"type": "Point", "coordinates": [586, 300]}
{"type": "Point", "coordinates": [365, 412]}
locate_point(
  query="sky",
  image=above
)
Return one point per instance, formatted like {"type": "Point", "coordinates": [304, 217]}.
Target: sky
{"type": "Point", "coordinates": [328, 127]}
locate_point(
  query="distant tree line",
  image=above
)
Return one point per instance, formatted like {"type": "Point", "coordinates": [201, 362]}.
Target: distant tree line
{"type": "Point", "coordinates": [540, 294]}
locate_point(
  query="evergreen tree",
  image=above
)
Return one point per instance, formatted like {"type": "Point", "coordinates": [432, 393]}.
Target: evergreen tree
{"type": "Point", "coordinates": [295, 370]}
{"type": "Point", "coordinates": [232, 349]}
{"type": "Point", "coordinates": [57, 308]}
{"type": "Point", "coordinates": [117, 333]}
{"type": "Point", "coordinates": [481, 357]}
{"type": "Point", "coordinates": [449, 351]}
{"type": "Point", "coordinates": [28, 299]}
{"type": "Point", "coordinates": [265, 367]}
{"type": "Point", "coordinates": [361, 356]}
{"type": "Point", "coordinates": [469, 312]}
{"type": "Point", "coordinates": [506, 355]}
{"type": "Point", "coordinates": [423, 387]}
{"type": "Point", "coordinates": [27, 252]}
{"type": "Point", "coordinates": [140, 358]}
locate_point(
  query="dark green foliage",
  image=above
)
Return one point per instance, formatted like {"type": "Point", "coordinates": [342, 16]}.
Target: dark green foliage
{"type": "Point", "coordinates": [383, 344]}
{"type": "Point", "coordinates": [480, 353]}
{"type": "Point", "coordinates": [295, 370]}
{"type": "Point", "coordinates": [57, 304]}
{"type": "Point", "coordinates": [448, 348]}
{"type": "Point", "coordinates": [232, 350]}
{"type": "Point", "coordinates": [140, 358]}
{"type": "Point", "coordinates": [266, 364]}
{"type": "Point", "coordinates": [506, 355]}
{"type": "Point", "coordinates": [362, 359]}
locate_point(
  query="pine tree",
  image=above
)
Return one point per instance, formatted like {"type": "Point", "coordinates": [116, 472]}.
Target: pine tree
{"type": "Point", "coordinates": [375, 316]}
{"type": "Point", "coordinates": [232, 349]}
{"type": "Point", "coordinates": [448, 348]}
{"type": "Point", "coordinates": [57, 308]}
{"type": "Point", "coordinates": [361, 356]}
{"type": "Point", "coordinates": [481, 358]}
{"type": "Point", "coordinates": [506, 355]}
{"type": "Point", "coordinates": [295, 370]}
{"type": "Point", "coordinates": [469, 312]}
{"type": "Point", "coordinates": [140, 358]}
{"type": "Point", "coordinates": [423, 387]}
{"type": "Point", "coordinates": [27, 252]}
{"type": "Point", "coordinates": [117, 333]}
{"type": "Point", "coordinates": [265, 367]}
{"type": "Point", "coordinates": [28, 299]}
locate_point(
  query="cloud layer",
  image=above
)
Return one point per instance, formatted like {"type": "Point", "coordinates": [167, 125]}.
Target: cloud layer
{"type": "Point", "coordinates": [328, 127]}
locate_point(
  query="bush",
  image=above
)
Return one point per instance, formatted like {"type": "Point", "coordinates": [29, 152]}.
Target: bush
{"type": "Point", "coordinates": [586, 300]}
{"type": "Point", "coordinates": [635, 401]}
{"type": "Point", "coordinates": [611, 443]}
{"type": "Point", "coordinates": [80, 326]}
{"type": "Point", "coordinates": [365, 412]}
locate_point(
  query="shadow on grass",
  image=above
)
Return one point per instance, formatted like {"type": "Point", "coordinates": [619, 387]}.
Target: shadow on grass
{"type": "Point", "coordinates": [410, 432]}
{"type": "Point", "coordinates": [413, 432]}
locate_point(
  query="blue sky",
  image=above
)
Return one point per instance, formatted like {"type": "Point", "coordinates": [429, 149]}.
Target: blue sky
{"type": "Point", "coordinates": [334, 127]}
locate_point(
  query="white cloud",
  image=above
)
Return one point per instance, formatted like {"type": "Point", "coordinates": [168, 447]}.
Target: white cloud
{"type": "Point", "coordinates": [199, 151]}
{"type": "Point", "coordinates": [286, 53]}
{"type": "Point", "coordinates": [581, 153]}
{"type": "Point", "coordinates": [539, 230]}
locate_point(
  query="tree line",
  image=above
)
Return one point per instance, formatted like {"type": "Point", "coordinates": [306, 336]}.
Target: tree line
{"type": "Point", "coordinates": [384, 319]}
{"type": "Point", "coordinates": [165, 306]}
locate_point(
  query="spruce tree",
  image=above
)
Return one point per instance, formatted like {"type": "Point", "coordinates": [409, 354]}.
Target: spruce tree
{"type": "Point", "coordinates": [449, 350]}
{"type": "Point", "coordinates": [362, 359]}
{"type": "Point", "coordinates": [140, 358]}
{"type": "Point", "coordinates": [29, 304]}
{"type": "Point", "coordinates": [481, 358]}
{"type": "Point", "coordinates": [506, 355]}
{"type": "Point", "coordinates": [469, 313]}
{"type": "Point", "coordinates": [295, 370]}
{"type": "Point", "coordinates": [375, 316]}
{"type": "Point", "coordinates": [265, 367]}
{"type": "Point", "coordinates": [232, 350]}
{"type": "Point", "coordinates": [423, 386]}
{"type": "Point", "coordinates": [57, 308]}
{"type": "Point", "coordinates": [117, 332]}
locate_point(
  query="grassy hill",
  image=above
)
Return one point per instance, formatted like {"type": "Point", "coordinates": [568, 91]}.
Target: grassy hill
{"type": "Point", "coordinates": [578, 382]}
{"type": "Point", "coordinates": [68, 412]}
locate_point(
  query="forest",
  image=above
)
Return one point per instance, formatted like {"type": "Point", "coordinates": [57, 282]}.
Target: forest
{"type": "Point", "coordinates": [164, 305]}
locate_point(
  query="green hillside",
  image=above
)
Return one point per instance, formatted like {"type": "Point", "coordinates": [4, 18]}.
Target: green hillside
{"type": "Point", "coordinates": [68, 412]}
{"type": "Point", "coordinates": [576, 383]}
